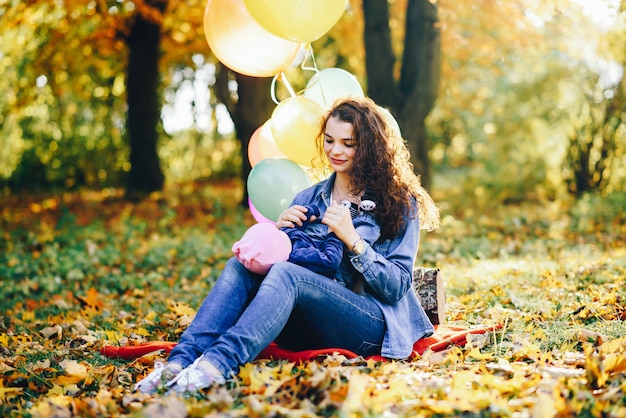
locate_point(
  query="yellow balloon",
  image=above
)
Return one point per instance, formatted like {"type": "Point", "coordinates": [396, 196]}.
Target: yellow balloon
{"type": "Point", "coordinates": [243, 45]}
{"type": "Point", "coordinates": [267, 145]}
{"type": "Point", "coordinates": [316, 174]}
{"type": "Point", "coordinates": [297, 20]}
{"type": "Point", "coordinates": [295, 128]}
{"type": "Point", "coordinates": [331, 84]}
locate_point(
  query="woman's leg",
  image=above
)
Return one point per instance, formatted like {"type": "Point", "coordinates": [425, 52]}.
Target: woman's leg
{"type": "Point", "coordinates": [219, 311]}
{"type": "Point", "coordinates": [332, 316]}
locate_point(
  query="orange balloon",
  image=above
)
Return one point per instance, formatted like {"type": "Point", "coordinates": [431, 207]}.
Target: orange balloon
{"type": "Point", "coordinates": [254, 154]}
{"type": "Point", "coordinates": [295, 128]}
{"type": "Point", "coordinates": [243, 45]}
{"type": "Point", "coordinates": [262, 145]}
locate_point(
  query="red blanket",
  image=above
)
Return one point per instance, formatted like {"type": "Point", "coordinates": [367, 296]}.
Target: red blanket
{"type": "Point", "coordinates": [444, 336]}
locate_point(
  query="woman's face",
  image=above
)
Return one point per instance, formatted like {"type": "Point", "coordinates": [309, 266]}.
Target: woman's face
{"type": "Point", "coordinates": [339, 145]}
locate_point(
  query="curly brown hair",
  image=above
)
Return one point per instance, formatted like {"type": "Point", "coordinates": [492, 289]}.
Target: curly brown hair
{"type": "Point", "coordinates": [382, 166]}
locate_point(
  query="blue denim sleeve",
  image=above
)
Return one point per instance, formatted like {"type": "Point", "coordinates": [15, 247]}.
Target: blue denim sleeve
{"type": "Point", "coordinates": [387, 266]}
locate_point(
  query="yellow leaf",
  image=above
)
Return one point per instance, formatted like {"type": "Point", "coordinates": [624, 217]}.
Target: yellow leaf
{"type": "Point", "coordinates": [476, 354]}
{"type": "Point", "coordinates": [28, 316]}
{"type": "Point", "coordinates": [4, 340]}
{"type": "Point", "coordinates": [56, 390]}
{"type": "Point", "coordinates": [613, 346]}
{"type": "Point", "coordinates": [8, 393]}
{"type": "Point", "coordinates": [182, 309]}
{"type": "Point", "coordinates": [92, 298]}
{"type": "Point", "coordinates": [75, 373]}
{"type": "Point", "coordinates": [151, 316]}
{"type": "Point", "coordinates": [142, 331]}
{"type": "Point", "coordinates": [614, 363]}
{"type": "Point", "coordinates": [113, 335]}
{"type": "Point", "coordinates": [357, 396]}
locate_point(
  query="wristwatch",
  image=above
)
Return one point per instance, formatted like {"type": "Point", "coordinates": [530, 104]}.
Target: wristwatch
{"type": "Point", "coordinates": [359, 246]}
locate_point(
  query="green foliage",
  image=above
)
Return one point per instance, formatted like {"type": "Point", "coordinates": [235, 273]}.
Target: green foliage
{"type": "Point", "coordinates": [509, 102]}
{"type": "Point", "coordinates": [592, 210]}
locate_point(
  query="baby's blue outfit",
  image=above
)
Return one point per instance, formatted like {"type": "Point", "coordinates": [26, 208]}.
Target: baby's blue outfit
{"type": "Point", "coordinates": [322, 252]}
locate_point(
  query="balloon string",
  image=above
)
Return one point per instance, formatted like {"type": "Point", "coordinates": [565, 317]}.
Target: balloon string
{"type": "Point", "coordinates": [283, 78]}
{"type": "Point", "coordinates": [310, 54]}
{"type": "Point", "coordinates": [280, 76]}
{"type": "Point", "coordinates": [273, 89]}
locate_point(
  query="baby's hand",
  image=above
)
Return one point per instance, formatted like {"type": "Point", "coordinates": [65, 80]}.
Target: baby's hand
{"type": "Point", "coordinates": [292, 216]}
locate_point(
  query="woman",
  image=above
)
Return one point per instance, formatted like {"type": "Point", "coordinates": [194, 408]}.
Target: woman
{"type": "Point", "coordinates": [368, 307]}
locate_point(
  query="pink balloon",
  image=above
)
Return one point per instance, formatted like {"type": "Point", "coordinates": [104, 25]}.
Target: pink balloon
{"type": "Point", "coordinates": [256, 214]}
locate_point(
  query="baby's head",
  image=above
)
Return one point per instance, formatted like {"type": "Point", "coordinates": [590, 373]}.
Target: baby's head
{"type": "Point", "coordinates": [262, 246]}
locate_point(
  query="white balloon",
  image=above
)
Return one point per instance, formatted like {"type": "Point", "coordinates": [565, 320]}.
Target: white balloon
{"type": "Point", "coordinates": [331, 84]}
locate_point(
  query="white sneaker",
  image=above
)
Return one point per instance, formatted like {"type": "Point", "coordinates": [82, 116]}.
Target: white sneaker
{"type": "Point", "coordinates": [158, 377]}
{"type": "Point", "coordinates": [193, 378]}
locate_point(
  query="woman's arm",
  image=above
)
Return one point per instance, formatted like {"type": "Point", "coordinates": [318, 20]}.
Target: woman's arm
{"type": "Point", "coordinates": [390, 276]}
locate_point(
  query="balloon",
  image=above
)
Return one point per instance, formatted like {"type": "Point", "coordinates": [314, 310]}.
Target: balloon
{"type": "Point", "coordinates": [256, 214]}
{"type": "Point", "coordinates": [331, 84]}
{"type": "Point", "coordinates": [262, 145]}
{"type": "Point", "coordinates": [241, 44]}
{"type": "Point", "coordinates": [297, 20]}
{"type": "Point", "coordinates": [295, 128]}
{"type": "Point", "coordinates": [316, 174]}
{"type": "Point", "coordinates": [254, 153]}
{"type": "Point", "coordinates": [273, 183]}
{"type": "Point", "coordinates": [391, 121]}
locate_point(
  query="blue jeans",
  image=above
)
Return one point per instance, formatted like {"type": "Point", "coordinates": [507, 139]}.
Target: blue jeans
{"type": "Point", "coordinates": [299, 309]}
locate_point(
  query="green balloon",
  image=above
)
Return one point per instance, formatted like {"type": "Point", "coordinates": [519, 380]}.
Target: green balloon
{"type": "Point", "coordinates": [273, 183]}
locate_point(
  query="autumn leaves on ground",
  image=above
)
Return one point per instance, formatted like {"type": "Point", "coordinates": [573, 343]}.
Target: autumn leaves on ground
{"type": "Point", "coordinates": [84, 269]}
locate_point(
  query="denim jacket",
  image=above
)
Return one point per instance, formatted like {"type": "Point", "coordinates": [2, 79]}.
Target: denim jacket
{"type": "Point", "coordinates": [386, 267]}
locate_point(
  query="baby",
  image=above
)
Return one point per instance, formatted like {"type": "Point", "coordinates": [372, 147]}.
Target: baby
{"type": "Point", "coordinates": [309, 245]}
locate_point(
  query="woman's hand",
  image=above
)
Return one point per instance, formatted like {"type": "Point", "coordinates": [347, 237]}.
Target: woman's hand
{"type": "Point", "coordinates": [339, 221]}
{"type": "Point", "coordinates": [292, 216]}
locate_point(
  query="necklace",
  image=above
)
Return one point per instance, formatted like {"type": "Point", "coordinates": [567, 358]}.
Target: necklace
{"type": "Point", "coordinates": [341, 197]}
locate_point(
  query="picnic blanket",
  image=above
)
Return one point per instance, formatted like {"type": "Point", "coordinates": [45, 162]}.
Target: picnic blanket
{"type": "Point", "coordinates": [444, 337]}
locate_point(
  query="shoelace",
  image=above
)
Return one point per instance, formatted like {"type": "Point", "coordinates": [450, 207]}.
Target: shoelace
{"type": "Point", "coordinates": [152, 380]}
{"type": "Point", "coordinates": [193, 378]}
{"type": "Point", "coordinates": [187, 376]}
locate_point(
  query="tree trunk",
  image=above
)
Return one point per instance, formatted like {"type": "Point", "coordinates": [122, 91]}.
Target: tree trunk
{"type": "Point", "coordinates": [142, 86]}
{"type": "Point", "coordinates": [413, 96]}
{"type": "Point", "coordinates": [253, 107]}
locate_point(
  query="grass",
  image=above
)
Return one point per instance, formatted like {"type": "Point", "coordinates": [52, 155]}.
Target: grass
{"type": "Point", "coordinates": [85, 269]}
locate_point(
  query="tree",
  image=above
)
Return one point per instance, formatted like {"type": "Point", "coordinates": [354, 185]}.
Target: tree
{"type": "Point", "coordinates": [412, 96]}
{"type": "Point", "coordinates": [597, 139]}
{"type": "Point", "coordinates": [595, 153]}
{"type": "Point", "coordinates": [251, 107]}
{"type": "Point", "coordinates": [124, 48]}
{"type": "Point", "coordinates": [142, 86]}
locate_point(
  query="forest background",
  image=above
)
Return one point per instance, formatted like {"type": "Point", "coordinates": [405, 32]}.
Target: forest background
{"type": "Point", "coordinates": [525, 136]}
